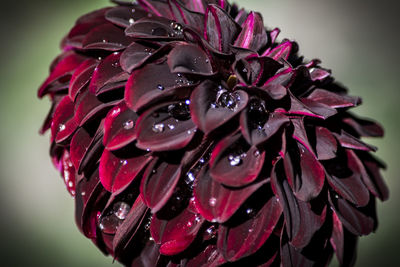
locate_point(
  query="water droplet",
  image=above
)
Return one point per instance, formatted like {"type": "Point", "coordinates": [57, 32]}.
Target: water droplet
{"type": "Point", "coordinates": [180, 111]}
{"type": "Point", "coordinates": [187, 102]}
{"type": "Point", "coordinates": [189, 132]}
{"type": "Point", "coordinates": [179, 74]}
{"type": "Point", "coordinates": [171, 126]}
{"type": "Point", "coordinates": [109, 224]}
{"type": "Point", "coordinates": [189, 224]}
{"type": "Point", "coordinates": [202, 160]}
{"type": "Point", "coordinates": [336, 196]}
{"type": "Point", "coordinates": [104, 40]}
{"type": "Point", "coordinates": [83, 193]}
{"type": "Point", "coordinates": [99, 58]}
{"type": "Point", "coordinates": [251, 230]}
{"type": "Point", "coordinates": [189, 178]}
{"type": "Point", "coordinates": [234, 160]}
{"type": "Point", "coordinates": [158, 128]}
{"type": "Point", "coordinates": [227, 100]}
{"type": "Point", "coordinates": [207, 61]}
{"type": "Point", "coordinates": [160, 87]}
{"type": "Point", "coordinates": [121, 210]}
{"type": "Point", "coordinates": [212, 201]}
{"type": "Point", "coordinates": [61, 127]}
{"type": "Point", "coordinates": [197, 218]}
{"type": "Point", "coordinates": [131, 21]}
{"type": "Point", "coordinates": [244, 70]}
{"type": "Point", "coordinates": [123, 162]}
{"type": "Point", "coordinates": [256, 153]}
{"type": "Point", "coordinates": [128, 124]}
{"type": "Point", "coordinates": [176, 26]}
{"type": "Point", "coordinates": [211, 231]}
{"type": "Point", "coordinates": [213, 105]}
{"type": "Point", "coordinates": [151, 238]}
{"type": "Point", "coordinates": [70, 184]}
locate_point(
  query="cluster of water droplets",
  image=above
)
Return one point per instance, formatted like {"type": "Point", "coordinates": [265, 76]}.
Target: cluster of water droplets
{"type": "Point", "coordinates": [177, 29]}
{"type": "Point", "coordinates": [110, 221]}
{"type": "Point", "coordinates": [225, 99]}
{"type": "Point", "coordinates": [257, 114]}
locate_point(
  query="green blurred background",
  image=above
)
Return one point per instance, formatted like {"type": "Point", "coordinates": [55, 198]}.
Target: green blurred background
{"type": "Point", "coordinates": [358, 40]}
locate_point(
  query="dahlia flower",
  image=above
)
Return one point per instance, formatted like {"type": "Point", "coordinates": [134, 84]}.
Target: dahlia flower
{"type": "Point", "coordinates": [190, 136]}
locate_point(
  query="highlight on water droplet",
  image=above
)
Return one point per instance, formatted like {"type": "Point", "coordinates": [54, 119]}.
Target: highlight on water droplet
{"type": "Point", "coordinates": [121, 210]}
{"type": "Point", "coordinates": [158, 128]}
{"type": "Point", "coordinates": [212, 201]}
{"type": "Point", "coordinates": [128, 124]}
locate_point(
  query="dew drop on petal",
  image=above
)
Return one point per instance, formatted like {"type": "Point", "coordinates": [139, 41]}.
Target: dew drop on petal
{"type": "Point", "coordinates": [189, 178]}
{"type": "Point", "coordinates": [160, 87]}
{"type": "Point", "coordinates": [158, 128]}
{"type": "Point", "coordinates": [123, 162]}
{"type": "Point", "coordinates": [131, 21]}
{"type": "Point", "coordinates": [121, 210]}
{"type": "Point", "coordinates": [256, 153]}
{"type": "Point", "coordinates": [61, 127]}
{"type": "Point", "coordinates": [234, 160]}
{"type": "Point", "coordinates": [212, 201]}
{"type": "Point", "coordinates": [128, 124]}
{"type": "Point", "coordinates": [109, 224]}
{"type": "Point", "coordinates": [171, 126]}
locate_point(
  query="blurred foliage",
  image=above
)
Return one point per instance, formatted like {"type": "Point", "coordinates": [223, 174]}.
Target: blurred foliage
{"type": "Point", "coordinates": [356, 39]}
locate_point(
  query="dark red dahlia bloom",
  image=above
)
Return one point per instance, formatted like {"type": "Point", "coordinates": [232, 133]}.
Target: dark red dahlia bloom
{"type": "Point", "coordinates": [190, 136]}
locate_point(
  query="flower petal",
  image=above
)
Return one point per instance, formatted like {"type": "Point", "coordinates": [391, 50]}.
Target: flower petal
{"type": "Point", "coordinates": [190, 59]}
{"type": "Point", "coordinates": [165, 127]}
{"type": "Point", "coordinates": [234, 163]}
{"type": "Point", "coordinates": [81, 77]}
{"type": "Point", "coordinates": [158, 183]}
{"type": "Point", "coordinates": [221, 29]}
{"type": "Point", "coordinates": [182, 15]}
{"type": "Point", "coordinates": [63, 124]}
{"type": "Point", "coordinates": [282, 51]}
{"type": "Point", "coordinates": [154, 82]}
{"type": "Point", "coordinates": [197, 5]}
{"type": "Point", "coordinates": [124, 16]}
{"type": "Point", "coordinates": [79, 145]}
{"type": "Point", "coordinates": [326, 144]}
{"type": "Point", "coordinates": [136, 54]}
{"type": "Point", "coordinates": [117, 173]}
{"type": "Point", "coordinates": [155, 28]}
{"type": "Point", "coordinates": [159, 8]}
{"type": "Point", "coordinates": [333, 100]}
{"type": "Point", "coordinates": [349, 141]}
{"type": "Point", "coordinates": [364, 127]}
{"type": "Point", "coordinates": [119, 127]}
{"type": "Point", "coordinates": [209, 257]}
{"type": "Point", "coordinates": [245, 239]}
{"type": "Point", "coordinates": [253, 35]}
{"type": "Point", "coordinates": [209, 110]}
{"type": "Point", "coordinates": [215, 202]}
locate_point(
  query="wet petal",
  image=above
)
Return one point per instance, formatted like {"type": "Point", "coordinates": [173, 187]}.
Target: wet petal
{"type": "Point", "coordinates": [234, 163]}
{"type": "Point", "coordinates": [182, 15]}
{"type": "Point", "coordinates": [63, 124]}
{"type": "Point", "coordinates": [79, 145]}
{"type": "Point", "coordinates": [117, 173]}
{"type": "Point", "coordinates": [154, 82]}
{"type": "Point", "coordinates": [300, 133]}
{"type": "Point", "coordinates": [107, 72]}
{"type": "Point", "coordinates": [135, 55]}
{"type": "Point", "coordinates": [282, 51]}
{"type": "Point", "coordinates": [319, 74]}
{"type": "Point", "coordinates": [326, 144]}
{"type": "Point", "coordinates": [155, 28]}
{"type": "Point", "coordinates": [160, 8]}
{"type": "Point", "coordinates": [217, 203]}
{"type": "Point", "coordinates": [349, 141]}
{"type": "Point", "coordinates": [158, 183]}
{"type": "Point", "coordinates": [209, 257]}
{"type": "Point", "coordinates": [212, 107]}
{"type": "Point", "coordinates": [364, 127]}
{"type": "Point", "coordinates": [119, 127]}
{"type": "Point", "coordinates": [124, 16]}
{"type": "Point", "coordinates": [256, 70]}
{"type": "Point", "coordinates": [176, 234]}
{"type": "Point", "coordinates": [253, 35]}
{"type": "Point", "coordinates": [81, 77]}
{"type": "Point", "coordinates": [197, 5]}
{"type": "Point", "coordinates": [245, 239]}
{"type": "Point", "coordinates": [149, 256]}
{"type": "Point", "coordinates": [333, 100]}
{"type": "Point", "coordinates": [165, 127]}
{"type": "Point", "coordinates": [188, 58]}
{"type": "Point", "coordinates": [220, 29]}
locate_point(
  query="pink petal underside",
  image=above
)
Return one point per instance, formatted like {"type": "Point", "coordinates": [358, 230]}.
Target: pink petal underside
{"type": "Point", "coordinates": [363, 127]}
{"type": "Point", "coordinates": [119, 127]}
{"type": "Point", "coordinates": [106, 37]}
{"type": "Point", "coordinates": [217, 203]}
{"type": "Point", "coordinates": [326, 144]}
{"type": "Point", "coordinates": [253, 35]}
{"type": "Point", "coordinates": [333, 100]}
{"type": "Point", "coordinates": [318, 74]}
{"type": "Point", "coordinates": [63, 124]}
{"type": "Point", "coordinates": [117, 173]}
{"type": "Point", "coordinates": [190, 59]}
{"type": "Point", "coordinates": [302, 221]}
{"type": "Point", "coordinates": [158, 130]}
{"type": "Point", "coordinates": [124, 16]}
{"type": "Point", "coordinates": [349, 141]}
{"type": "Point", "coordinates": [64, 68]}
{"type": "Point", "coordinates": [107, 72]}
{"type": "Point", "coordinates": [81, 77]}
{"type": "Point", "coordinates": [245, 239]}
{"type": "Point", "coordinates": [282, 51]}
{"type": "Point", "coordinates": [305, 174]}
{"type": "Point", "coordinates": [220, 29]}
{"type": "Point", "coordinates": [347, 181]}
{"type": "Point", "coordinates": [176, 234]}
{"type": "Point", "coordinates": [209, 257]}
{"type": "Point", "coordinates": [206, 114]}
{"type": "Point", "coordinates": [245, 172]}
{"type": "Point", "coordinates": [158, 183]}
{"type": "Point", "coordinates": [154, 82]}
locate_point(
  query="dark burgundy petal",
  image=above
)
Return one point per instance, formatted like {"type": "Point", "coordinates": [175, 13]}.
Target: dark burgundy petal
{"type": "Point", "coordinates": [155, 29]}
{"type": "Point", "coordinates": [283, 78]}
{"type": "Point", "coordinates": [349, 141]}
{"type": "Point", "coordinates": [256, 70]}
{"type": "Point", "coordinates": [197, 5]}
{"type": "Point", "coordinates": [128, 228]}
{"type": "Point", "coordinates": [253, 35]}
{"type": "Point", "coordinates": [81, 77]}
{"type": "Point", "coordinates": [159, 8]}
{"type": "Point", "coordinates": [321, 110]}
{"type": "Point", "coordinates": [282, 51]}
{"type": "Point", "coordinates": [182, 15]}
{"type": "Point", "coordinates": [343, 242]}
{"type": "Point", "coordinates": [364, 127]}
{"type": "Point", "coordinates": [300, 134]}
{"type": "Point", "coordinates": [345, 179]}
{"type": "Point", "coordinates": [165, 127]}
{"type": "Point", "coordinates": [371, 176]}
{"type": "Point", "coordinates": [154, 82]}
{"type": "Point", "coordinates": [318, 74]}
{"type": "Point", "coordinates": [292, 256]}
{"type": "Point", "coordinates": [311, 109]}
{"type": "Point", "coordinates": [215, 202]}
{"type": "Point", "coordinates": [107, 72]}
{"type": "Point", "coordinates": [49, 118]}
{"type": "Point", "coordinates": [189, 58]}
{"type": "Point", "coordinates": [245, 239]}
{"type": "Point", "coordinates": [209, 110]}
{"type": "Point", "coordinates": [302, 219]}
{"type": "Point", "coordinates": [64, 68]}
{"type": "Point", "coordinates": [221, 30]}
{"type": "Point", "coordinates": [333, 100]}
{"type": "Point", "coordinates": [63, 124]}
{"type": "Point", "coordinates": [326, 144]}
{"type": "Point", "coordinates": [176, 234]}
{"type": "Point", "coordinates": [305, 174]}
{"type": "Point", "coordinates": [87, 106]}
{"type": "Point", "coordinates": [234, 163]}
{"type": "Point", "coordinates": [158, 183]}
{"type": "Point", "coordinates": [119, 127]}
{"type": "Point", "coordinates": [149, 256]}
{"type": "Point", "coordinates": [79, 145]}
{"type": "Point", "coordinates": [106, 37]}
{"type": "Point", "coordinates": [359, 221]}
{"type": "Point", "coordinates": [124, 16]}
{"type": "Point", "coordinates": [117, 173]}
{"type": "Point", "coordinates": [135, 55]}
{"type": "Point", "coordinates": [209, 257]}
